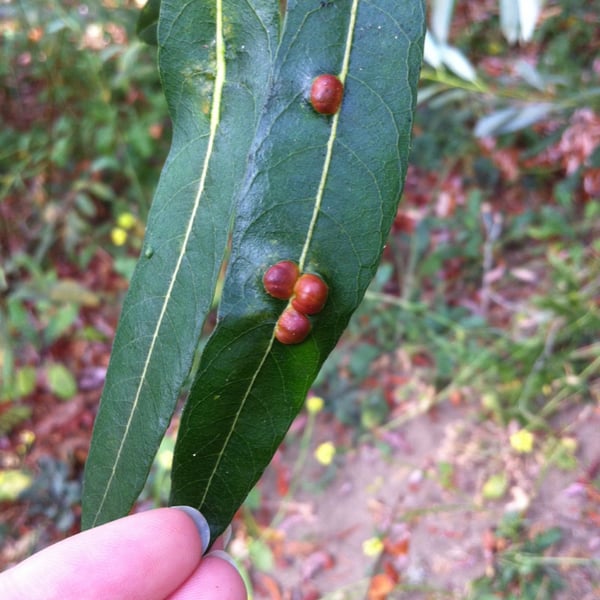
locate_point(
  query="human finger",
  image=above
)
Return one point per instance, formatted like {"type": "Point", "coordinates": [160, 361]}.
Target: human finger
{"type": "Point", "coordinates": [216, 578]}
{"type": "Point", "coordinates": [147, 556]}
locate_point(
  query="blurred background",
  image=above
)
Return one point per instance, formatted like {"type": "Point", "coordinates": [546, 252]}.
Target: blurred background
{"type": "Point", "coordinates": [450, 447]}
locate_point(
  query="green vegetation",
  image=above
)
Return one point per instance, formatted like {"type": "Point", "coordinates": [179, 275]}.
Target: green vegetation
{"type": "Point", "coordinates": [84, 138]}
{"type": "Point", "coordinates": [487, 297]}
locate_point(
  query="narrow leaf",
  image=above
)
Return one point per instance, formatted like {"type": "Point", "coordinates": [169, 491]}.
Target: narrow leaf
{"type": "Point", "coordinates": [441, 18]}
{"type": "Point", "coordinates": [490, 124]}
{"type": "Point", "coordinates": [508, 120]}
{"type": "Point", "coordinates": [214, 61]}
{"type": "Point", "coordinates": [529, 12]}
{"type": "Point", "coordinates": [322, 191]}
{"type": "Point", "coordinates": [147, 24]}
{"type": "Point", "coordinates": [531, 75]}
{"type": "Point", "coordinates": [509, 20]}
{"type": "Point", "coordinates": [527, 116]}
{"type": "Point", "coordinates": [432, 53]}
{"type": "Point", "coordinates": [458, 63]}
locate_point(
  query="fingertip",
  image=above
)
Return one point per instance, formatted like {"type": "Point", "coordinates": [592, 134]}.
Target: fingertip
{"type": "Point", "coordinates": [200, 522]}
{"type": "Point", "coordinates": [222, 555]}
{"type": "Point", "coordinates": [216, 577]}
{"type": "Point", "coordinates": [221, 562]}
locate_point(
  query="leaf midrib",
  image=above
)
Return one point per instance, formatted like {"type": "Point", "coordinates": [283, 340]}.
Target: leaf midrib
{"type": "Point", "coordinates": [305, 248]}
{"type": "Point", "coordinates": [213, 126]}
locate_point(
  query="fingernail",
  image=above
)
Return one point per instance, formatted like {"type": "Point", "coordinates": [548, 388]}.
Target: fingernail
{"type": "Point", "coordinates": [200, 522]}
{"type": "Point", "coordinates": [223, 556]}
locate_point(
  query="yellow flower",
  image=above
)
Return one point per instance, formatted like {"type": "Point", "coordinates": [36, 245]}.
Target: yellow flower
{"type": "Point", "coordinates": [118, 236]}
{"type": "Point", "coordinates": [325, 453]}
{"type": "Point", "coordinates": [372, 547]}
{"type": "Point", "coordinates": [314, 404]}
{"type": "Point", "coordinates": [522, 441]}
{"type": "Point", "coordinates": [495, 487]}
{"type": "Point", "coordinates": [126, 220]}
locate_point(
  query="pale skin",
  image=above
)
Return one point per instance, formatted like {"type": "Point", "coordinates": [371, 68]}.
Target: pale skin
{"type": "Point", "coordinates": [155, 555]}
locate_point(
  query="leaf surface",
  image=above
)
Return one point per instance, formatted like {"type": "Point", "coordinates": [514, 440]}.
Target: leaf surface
{"type": "Point", "coordinates": [321, 191]}
{"type": "Point", "coordinates": [147, 24]}
{"type": "Point", "coordinates": [214, 62]}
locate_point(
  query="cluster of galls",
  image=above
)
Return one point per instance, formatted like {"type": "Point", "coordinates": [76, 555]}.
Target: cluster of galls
{"type": "Point", "coordinates": [307, 294]}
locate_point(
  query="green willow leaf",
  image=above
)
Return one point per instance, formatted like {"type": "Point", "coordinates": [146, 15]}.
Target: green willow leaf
{"type": "Point", "coordinates": [322, 191]}
{"type": "Point", "coordinates": [214, 60]}
{"type": "Point", "coordinates": [147, 24]}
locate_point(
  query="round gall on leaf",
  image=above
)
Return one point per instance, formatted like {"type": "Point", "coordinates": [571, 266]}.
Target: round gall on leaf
{"type": "Point", "coordinates": [279, 279]}
{"type": "Point", "coordinates": [326, 94]}
{"type": "Point", "coordinates": [310, 294]}
{"type": "Point", "coordinates": [292, 327]}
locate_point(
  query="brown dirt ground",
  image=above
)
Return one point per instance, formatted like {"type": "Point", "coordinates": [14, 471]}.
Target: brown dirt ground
{"type": "Point", "coordinates": [438, 530]}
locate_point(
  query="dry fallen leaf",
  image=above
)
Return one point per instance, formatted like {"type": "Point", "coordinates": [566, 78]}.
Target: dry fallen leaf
{"type": "Point", "coordinates": [380, 587]}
